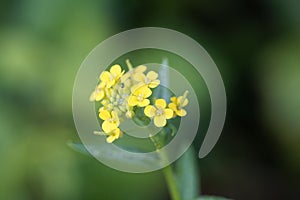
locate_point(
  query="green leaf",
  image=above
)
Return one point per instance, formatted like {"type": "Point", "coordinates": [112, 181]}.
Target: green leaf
{"type": "Point", "coordinates": [79, 148]}
{"type": "Point", "coordinates": [117, 156]}
{"type": "Point", "coordinates": [187, 175]}
{"type": "Point", "coordinates": [210, 198]}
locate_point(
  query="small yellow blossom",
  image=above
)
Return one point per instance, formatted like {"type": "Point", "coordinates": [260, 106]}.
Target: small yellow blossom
{"type": "Point", "coordinates": [111, 77]}
{"type": "Point", "coordinates": [113, 135]}
{"type": "Point", "coordinates": [139, 96]}
{"type": "Point", "coordinates": [159, 112]}
{"type": "Point", "coordinates": [150, 79]}
{"type": "Point", "coordinates": [177, 104]}
{"type": "Point", "coordinates": [111, 120]}
{"type": "Point", "coordinates": [134, 72]}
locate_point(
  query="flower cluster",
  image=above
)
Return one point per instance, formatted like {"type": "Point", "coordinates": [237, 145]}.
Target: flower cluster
{"type": "Point", "coordinates": [119, 93]}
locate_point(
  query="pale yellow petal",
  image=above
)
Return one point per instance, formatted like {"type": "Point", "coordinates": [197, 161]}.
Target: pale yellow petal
{"type": "Point", "coordinates": [110, 83]}
{"type": "Point", "coordinates": [132, 100]}
{"type": "Point", "coordinates": [104, 115]}
{"type": "Point", "coordinates": [138, 77]}
{"type": "Point", "coordinates": [144, 103]}
{"type": "Point", "coordinates": [160, 121]}
{"type": "Point", "coordinates": [181, 112]}
{"type": "Point", "coordinates": [174, 99]}
{"type": "Point", "coordinates": [141, 89]}
{"type": "Point", "coordinates": [101, 85]}
{"type": "Point", "coordinates": [110, 139]}
{"type": "Point", "coordinates": [152, 75]}
{"type": "Point", "coordinates": [108, 126]}
{"type": "Point", "coordinates": [160, 103]}
{"type": "Point", "coordinates": [150, 111]}
{"type": "Point", "coordinates": [99, 95]}
{"type": "Point", "coordinates": [154, 84]}
{"type": "Point", "coordinates": [137, 88]}
{"type": "Point", "coordinates": [147, 92]}
{"type": "Point", "coordinates": [168, 113]}
{"type": "Point", "coordinates": [105, 76]}
{"type": "Point", "coordinates": [117, 133]}
{"type": "Point", "coordinates": [140, 69]}
{"type": "Point", "coordinates": [115, 69]}
{"type": "Point", "coordinates": [173, 106]}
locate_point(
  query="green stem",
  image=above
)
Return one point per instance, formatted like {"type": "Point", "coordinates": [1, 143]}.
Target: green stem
{"type": "Point", "coordinates": [168, 172]}
{"type": "Point", "coordinates": [171, 182]}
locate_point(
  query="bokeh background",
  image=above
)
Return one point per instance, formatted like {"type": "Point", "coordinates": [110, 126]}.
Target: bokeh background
{"type": "Point", "coordinates": [255, 44]}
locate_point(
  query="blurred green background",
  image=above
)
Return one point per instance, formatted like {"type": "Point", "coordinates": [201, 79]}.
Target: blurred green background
{"type": "Point", "coordinates": [255, 44]}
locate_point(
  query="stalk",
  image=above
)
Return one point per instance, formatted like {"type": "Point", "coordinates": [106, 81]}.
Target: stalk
{"type": "Point", "coordinates": [168, 172]}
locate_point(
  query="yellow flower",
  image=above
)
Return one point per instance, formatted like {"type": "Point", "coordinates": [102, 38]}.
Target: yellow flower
{"type": "Point", "coordinates": [111, 120]}
{"type": "Point", "coordinates": [133, 72]}
{"type": "Point", "coordinates": [99, 93]}
{"type": "Point", "coordinates": [177, 105]}
{"type": "Point", "coordinates": [150, 79]}
{"type": "Point", "coordinates": [159, 112]}
{"type": "Point", "coordinates": [111, 77]}
{"type": "Point", "coordinates": [139, 96]}
{"type": "Point", "coordinates": [113, 135]}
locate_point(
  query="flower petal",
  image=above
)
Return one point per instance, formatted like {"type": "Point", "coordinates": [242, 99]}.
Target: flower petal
{"type": "Point", "coordinates": [115, 69]}
{"type": "Point", "coordinates": [136, 89]}
{"type": "Point", "coordinates": [174, 99]}
{"type": "Point", "coordinates": [110, 139]}
{"type": "Point", "coordinates": [154, 84]}
{"type": "Point", "coordinates": [108, 126]}
{"type": "Point", "coordinates": [152, 75]}
{"type": "Point", "coordinates": [140, 69]}
{"type": "Point", "coordinates": [104, 115]}
{"type": "Point", "coordinates": [181, 112]}
{"type": "Point", "coordinates": [110, 83]}
{"type": "Point", "coordinates": [117, 133]}
{"type": "Point", "coordinates": [132, 101]}
{"type": "Point", "coordinates": [144, 103]}
{"type": "Point", "coordinates": [173, 106]}
{"type": "Point", "coordinates": [99, 95]}
{"type": "Point", "coordinates": [160, 121]}
{"type": "Point", "coordinates": [160, 103]}
{"type": "Point", "coordinates": [147, 92]}
{"type": "Point", "coordinates": [101, 85]}
{"type": "Point", "coordinates": [168, 113]}
{"type": "Point", "coordinates": [150, 111]}
{"type": "Point", "coordinates": [105, 76]}
{"type": "Point", "coordinates": [138, 77]}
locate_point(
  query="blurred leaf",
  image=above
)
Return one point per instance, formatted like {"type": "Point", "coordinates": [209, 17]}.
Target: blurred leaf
{"type": "Point", "coordinates": [117, 156]}
{"type": "Point", "coordinates": [79, 148]}
{"type": "Point", "coordinates": [210, 198]}
{"type": "Point", "coordinates": [187, 175]}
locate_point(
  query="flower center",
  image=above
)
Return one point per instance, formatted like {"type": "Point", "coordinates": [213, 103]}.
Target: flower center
{"type": "Point", "coordinates": [140, 97]}
{"type": "Point", "coordinates": [159, 112]}
{"type": "Point", "coordinates": [147, 80]}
